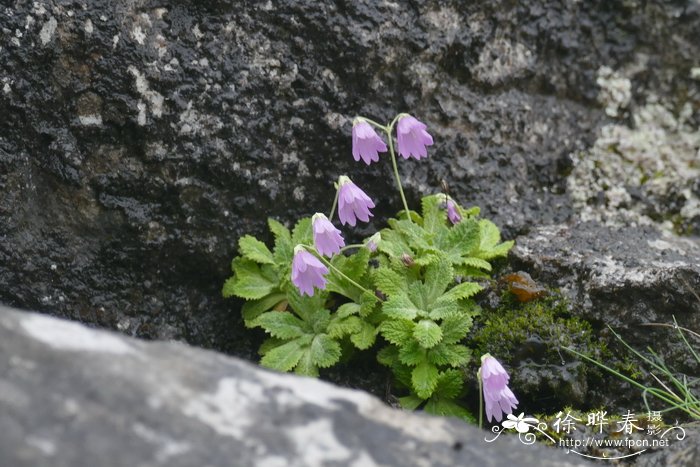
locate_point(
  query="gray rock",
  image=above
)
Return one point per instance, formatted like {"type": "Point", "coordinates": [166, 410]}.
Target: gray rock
{"type": "Point", "coordinates": [140, 139]}
{"type": "Point", "coordinates": [74, 396]}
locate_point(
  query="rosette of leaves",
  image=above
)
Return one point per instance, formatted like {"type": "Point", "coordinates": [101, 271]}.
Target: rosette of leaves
{"type": "Point", "coordinates": [304, 334]}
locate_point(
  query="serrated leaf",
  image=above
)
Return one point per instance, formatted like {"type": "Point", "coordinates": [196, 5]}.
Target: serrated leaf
{"type": "Point", "coordinates": [463, 290]}
{"type": "Point", "coordinates": [347, 309]}
{"type": "Point", "coordinates": [319, 320]}
{"type": "Point", "coordinates": [434, 218]}
{"type": "Point", "coordinates": [253, 308]}
{"type": "Point", "coordinates": [393, 244]}
{"type": "Point", "coordinates": [354, 267]}
{"type": "Point", "coordinates": [306, 366]}
{"type": "Point", "coordinates": [450, 384]}
{"type": "Point", "coordinates": [281, 324]}
{"type": "Point", "coordinates": [302, 233]}
{"type": "Point", "coordinates": [279, 230]}
{"type": "Point", "coordinates": [437, 277]}
{"type": "Point", "coordinates": [400, 307]}
{"type": "Point", "coordinates": [498, 251]}
{"type": "Point", "coordinates": [389, 282]}
{"type": "Point", "coordinates": [448, 408]}
{"type": "Point", "coordinates": [424, 379]}
{"type": "Point", "coordinates": [444, 307]}
{"type": "Point", "coordinates": [454, 355]}
{"type": "Point", "coordinates": [411, 402]}
{"type": "Point", "coordinates": [397, 331]}
{"type": "Point", "coordinates": [463, 239]}
{"type": "Point", "coordinates": [250, 282]}
{"type": "Point", "coordinates": [303, 305]}
{"type": "Point", "coordinates": [284, 357]}
{"type": "Point", "coordinates": [269, 344]}
{"type": "Point", "coordinates": [364, 338]}
{"type": "Point", "coordinates": [325, 352]}
{"type": "Point", "coordinates": [411, 353]}
{"type": "Point", "coordinates": [427, 333]}
{"type": "Point", "coordinates": [388, 356]}
{"type": "Point", "coordinates": [283, 250]}
{"type": "Point", "coordinates": [229, 288]}
{"type": "Point", "coordinates": [368, 303]}
{"type": "Point", "coordinates": [455, 328]}
{"type": "Point", "coordinates": [415, 236]}
{"type": "Point", "coordinates": [340, 327]}
{"type": "Point", "coordinates": [477, 263]}
{"type": "Point", "coordinates": [253, 249]}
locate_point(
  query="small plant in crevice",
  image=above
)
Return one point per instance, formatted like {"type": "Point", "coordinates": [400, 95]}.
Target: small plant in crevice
{"type": "Point", "coordinates": [405, 291]}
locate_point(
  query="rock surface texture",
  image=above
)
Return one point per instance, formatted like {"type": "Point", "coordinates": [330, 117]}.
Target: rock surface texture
{"type": "Point", "coordinates": [73, 396]}
{"type": "Point", "coordinates": [140, 139]}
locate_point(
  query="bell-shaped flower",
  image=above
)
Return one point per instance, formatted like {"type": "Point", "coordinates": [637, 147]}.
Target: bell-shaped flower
{"type": "Point", "coordinates": [353, 203]}
{"type": "Point", "coordinates": [366, 143]}
{"type": "Point", "coordinates": [498, 397]}
{"type": "Point", "coordinates": [412, 138]}
{"type": "Point", "coordinates": [307, 271]}
{"type": "Point", "coordinates": [453, 212]}
{"type": "Point", "coordinates": [327, 238]}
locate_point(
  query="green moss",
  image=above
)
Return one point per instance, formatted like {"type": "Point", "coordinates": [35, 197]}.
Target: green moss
{"type": "Point", "coordinates": [545, 324]}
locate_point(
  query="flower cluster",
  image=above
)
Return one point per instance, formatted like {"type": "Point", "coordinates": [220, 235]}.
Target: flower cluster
{"type": "Point", "coordinates": [309, 270]}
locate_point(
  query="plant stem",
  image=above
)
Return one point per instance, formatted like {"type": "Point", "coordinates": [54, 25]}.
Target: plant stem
{"type": "Point", "coordinates": [372, 122]}
{"type": "Point", "coordinates": [341, 274]}
{"type": "Point", "coordinates": [481, 400]}
{"type": "Point", "coordinates": [335, 202]}
{"type": "Point", "coordinates": [354, 245]}
{"type": "Point", "coordinates": [389, 131]}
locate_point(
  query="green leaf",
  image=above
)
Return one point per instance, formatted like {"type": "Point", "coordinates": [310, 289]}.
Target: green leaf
{"type": "Point", "coordinates": [437, 277]}
{"type": "Point", "coordinates": [253, 249]}
{"type": "Point", "coordinates": [434, 218]}
{"type": "Point", "coordinates": [269, 344]}
{"type": "Point", "coordinates": [355, 267]}
{"type": "Point", "coordinates": [283, 250]}
{"type": "Point", "coordinates": [448, 408]}
{"type": "Point", "coordinates": [411, 402]}
{"type": "Point", "coordinates": [400, 307]}
{"type": "Point", "coordinates": [390, 282]}
{"type": "Point", "coordinates": [463, 238]}
{"type": "Point", "coordinates": [229, 287]}
{"type": "Point", "coordinates": [365, 337]}
{"type": "Point", "coordinates": [427, 333]}
{"type": "Point", "coordinates": [393, 244]}
{"type": "Point", "coordinates": [253, 308]}
{"type": "Point", "coordinates": [489, 233]}
{"type": "Point", "coordinates": [302, 234]}
{"type": "Point", "coordinates": [388, 356]}
{"type": "Point", "coordinates": [454, 355]}
{"type": "Point", "coordinates": [416, 237]}
{"type": "Point", "coordinates": [319, 321]}
{"type": "Point", "coordinates": [306, 366]}
{"type": "Point", "coordinates": [283, 358]}
{"type": "Point", "coordinates": [455, 328]}
{"type": "Point", "coordinates": [303, 305]}
{"type": "Point", "coordinates": [368, 303]}
{"type": "Point", "coordinates": [450, 384]}
{"type": "Point", "coordinates": [463, 290]}
{"type": "Point", "coordinates": [281, 324]}
{"type": "Point", "coordinates": [397, 331]}
{"type": "Point", "coordinates": [424, 379]}
{"type": "Point", "coordinates": [411, 353]}
{"type": "Point", "coordinates": [325, 352]}
{"type": "Point", "coordinates": [250, 282]}
{"type": "Point", "coordinates": [477, 263]}
{"type": "Point", "coordinates": [347, 309]}
{"type": "Point", "coordinates": [340, 327]}
{"type": "Point", "coordinates": [498, 251]}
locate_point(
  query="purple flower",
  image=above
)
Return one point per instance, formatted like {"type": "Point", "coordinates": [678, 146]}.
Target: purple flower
{"type": "Point", "coordinates": [373, 242]}
{"type": "Point", "coordinates": [452, 212]}
{"type": "Point", "coordinates": [327, 238]}
{"type": "Point", "coordinates": [499, 399]}
{"type": "Point", "coordinates": [412, 138]}
{"type": "Point", "coordinates": [366, 143]}
{"type": "Point", "coordinates": [353, 203]}
{"type": "Point", "coordinates": [307, 272]}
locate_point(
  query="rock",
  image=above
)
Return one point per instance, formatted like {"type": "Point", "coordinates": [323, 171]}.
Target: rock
{"type": "Point", "coordinates": [625, 278]}
{"type": "Point", "coordinates": [139, 141]}
{"type": "Point", "coordinates": [74, 396]}
{"type": "Point", "coordinates": [682, 454]}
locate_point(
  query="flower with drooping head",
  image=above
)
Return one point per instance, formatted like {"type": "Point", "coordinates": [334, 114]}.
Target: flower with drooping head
{"type": "Point", "coordinates": [327, 238]}
{"type": "Point", "coordinates": [499, 399]}
{"type": "Point", "coordinates": [412, 137]}
{"type": "Point", "coordinates": [373, 242]}
{"type": "Point", "coordinates": [452, 212]}
{"type": "Point", "coordinates": [366, 143]}
{"type": "Point", "coordinates": [307, 271]}
{"type": "Point", "coordinates": [353, 203]}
